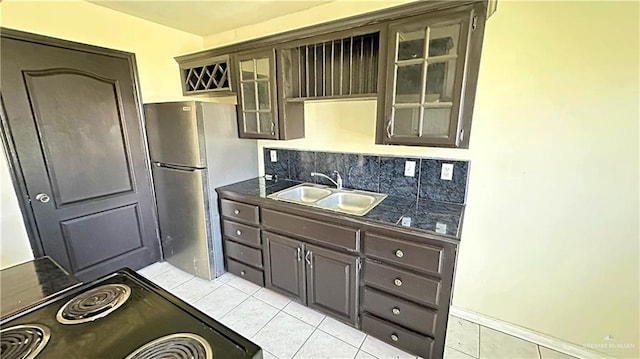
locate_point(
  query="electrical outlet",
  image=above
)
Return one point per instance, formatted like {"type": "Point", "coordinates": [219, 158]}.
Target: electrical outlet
{"type": "Point", "coordinates": [274, 155]}
{"type": "Point", "coordinates": [447, 171]}
{"type": "Point", "coordinates": [406, 221]}
{"type": "Point", "coordinates": [441, 228]}
{"type": "Point", "coordinates": [410, 168]}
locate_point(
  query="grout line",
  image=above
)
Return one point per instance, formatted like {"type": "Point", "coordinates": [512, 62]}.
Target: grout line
{"type": "Point", "coordinates": [351, 345]}
{"type": "Point", "coordinates": [305, 342]}
{"type": "Point", "coordinates": [479, 340]}
{"type": "Point", "coordinates": [539, 352]}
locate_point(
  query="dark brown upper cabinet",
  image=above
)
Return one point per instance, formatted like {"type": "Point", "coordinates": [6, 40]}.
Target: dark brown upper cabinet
{"type": "Point", "coordinates": [259, 116]}
{"type": "Point", "coordinates": [431, 76]}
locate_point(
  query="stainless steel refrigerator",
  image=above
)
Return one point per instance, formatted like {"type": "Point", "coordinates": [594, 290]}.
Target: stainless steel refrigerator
{"type": "Point", "coordinates": [194, 148]}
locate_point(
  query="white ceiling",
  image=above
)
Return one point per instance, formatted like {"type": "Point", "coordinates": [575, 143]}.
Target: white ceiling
{"type": "Point", "coordinates": [207, 17]}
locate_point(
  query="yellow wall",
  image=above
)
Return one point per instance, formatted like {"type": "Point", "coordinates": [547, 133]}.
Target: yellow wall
{"type": "Point", "coordinates": [154, 45]}
{"type": "Point", "coordinates": [550, 239]}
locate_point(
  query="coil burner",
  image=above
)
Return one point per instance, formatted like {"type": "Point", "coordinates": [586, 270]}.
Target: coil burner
{"type": "Point", "coordinates": [93, 304]}
{"type": "Point", "coordinates": [23, 341]}
{"type": "Point", "coordinates": [175, 346]}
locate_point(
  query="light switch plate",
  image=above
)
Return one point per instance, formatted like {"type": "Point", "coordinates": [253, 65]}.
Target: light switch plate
{"type": "Point", "coordinates": [410, 168]}
{"type": "Point", "coordinates": [447, 171]}
{"type": "Point", "coordinates": [273, 154]}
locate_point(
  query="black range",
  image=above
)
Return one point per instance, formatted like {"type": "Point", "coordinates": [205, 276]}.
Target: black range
{"type": "Point", "coordinates": [122, 315]}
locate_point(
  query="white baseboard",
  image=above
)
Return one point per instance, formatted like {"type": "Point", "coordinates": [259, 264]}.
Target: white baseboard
{"type": "Point", "coordinates": [527, 334]}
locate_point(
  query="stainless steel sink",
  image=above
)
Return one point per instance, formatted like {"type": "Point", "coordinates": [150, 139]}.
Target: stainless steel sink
{"type": "Point", "coordinates": [344, 200]}
{"type": "Point", "coordinates": [305, 194]}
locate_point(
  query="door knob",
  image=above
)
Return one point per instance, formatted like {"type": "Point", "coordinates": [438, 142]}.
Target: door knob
{"type": "Point", "coordinates": [394, 337]}
{"type": "Point", "coordinates": [397, 282]}
{"type": "Point", "coordinates": [43, 197]}
{"type": "Point", "coordinates": [239, 232]}
{"type": "Point", "coordinates": [399, 253]}
{"type": "Point", "coordinates": [395, 311]}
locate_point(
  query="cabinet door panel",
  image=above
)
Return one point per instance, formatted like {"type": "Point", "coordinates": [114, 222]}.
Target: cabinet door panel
{"type": "Point", "coordinates": [332, 282]}
{"type": "Point", "coordinates": [285, 269]}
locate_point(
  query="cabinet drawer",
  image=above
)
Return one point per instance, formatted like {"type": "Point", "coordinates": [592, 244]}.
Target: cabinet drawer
{"type": "Point", "coordinates": [412, 255]}
{"type": "Point", "coordinates": [402, 283]}
{"type": "Point", "coordinates": [241, 232]}
{"type": "Point", "coordinates": [242, 270]}
{"type": "Point", "coordinates": [396, 336]}
{"type": "Point", "coordinates": [340, 236]}
{"type": "Point", "coordinates": [400, 311]}
{"type": "Point", "coordinates": [239, 211]}
{"type": "Point", "coordinates": [244, 254]}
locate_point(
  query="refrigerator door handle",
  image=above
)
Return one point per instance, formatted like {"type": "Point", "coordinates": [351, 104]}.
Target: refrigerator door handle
{"type": "Point", "coordinates": [174, 167]}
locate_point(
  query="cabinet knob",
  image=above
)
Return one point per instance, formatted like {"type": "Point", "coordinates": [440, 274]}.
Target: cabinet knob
{"type": "Point", "coordinates": [397, 282]}
{"type": "Point", "coordinates": [236, 211]}
{"type": "Point", "coordinates": [395, 311]}
{"type": "Point", "coordinates": [243, 272]}
{"type": "Point", "coordinates": [399, 253]}
{"type": "Point", "coordinates": [394, 337]}
{"type": "Point", "coordinates": [238, 232]}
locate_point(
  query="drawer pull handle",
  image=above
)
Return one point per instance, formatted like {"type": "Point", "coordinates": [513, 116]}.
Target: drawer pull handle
{"type": "Point", "coordinates": [243, 272]}
{"type": "Point", "coordinates": [238, 232]}
{"type": "Point", "coordinates": [399, 253]}
{"type": "Point", "coordinates": [394, 337]}
{"type": "Point", "coordinates": [397, 282]}
{"type": "Point", "coordinates": [396, 311]}
{"type": "Point", "coordinates": [236, 211]}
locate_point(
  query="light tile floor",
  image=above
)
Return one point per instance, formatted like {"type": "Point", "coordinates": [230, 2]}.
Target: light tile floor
{"type": "Point", "coordinates": [285, 329]}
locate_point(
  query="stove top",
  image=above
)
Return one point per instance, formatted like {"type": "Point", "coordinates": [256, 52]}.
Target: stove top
{"type": "Point", "coordinates": [122, 315]}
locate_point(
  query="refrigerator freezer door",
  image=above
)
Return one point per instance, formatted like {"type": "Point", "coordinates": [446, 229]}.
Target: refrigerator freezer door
{"type": "Point", "coordinates": [173, 135]}
{"type": "Point", "coordinates": [182, 210]}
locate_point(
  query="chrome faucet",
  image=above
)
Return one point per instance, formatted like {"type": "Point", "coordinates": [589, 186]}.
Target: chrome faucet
{"type": "Point", "coordinates": [337, 182]}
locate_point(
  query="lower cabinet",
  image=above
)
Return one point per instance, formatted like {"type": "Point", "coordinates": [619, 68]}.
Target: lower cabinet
{"type": "Point", "coordinates": [323, 279]}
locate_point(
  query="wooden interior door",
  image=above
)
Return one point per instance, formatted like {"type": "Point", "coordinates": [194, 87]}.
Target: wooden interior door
{"type": "Point", "coordinates": [75, 124]}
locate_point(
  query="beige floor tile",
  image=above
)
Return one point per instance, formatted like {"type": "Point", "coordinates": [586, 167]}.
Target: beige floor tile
{"type": "Point", "coordinates": [221, 301]}
{"type": "Point", "coordinates": [248, 317]}
{"type": "Point", "coordinates": [272, 298]}
{"type": "Point", "coordinates": [171, 278]}
{"type": "Point", "coordinates": [342, 331]}
{"type": "Point", "coordinates": [463, 336]}
{"type": "Point", "coordinates": [497, 345]}
{"type": "Point", "coordinates": [194, 289]}
{"type": "Point", "coordinates": [450, 353]}
{"type": "Point", "coordinates": [304, 313]}
{"type": "Point", "coordinates": [324, 346]}
{"type": "Point", "coordinates": [244, 285]}
{"type": "Point", "coordinates": [383, 350]}
{"type": "Point", "coordinates": [364, 355]}
{"type": "Point", "coordinates": [154, 269]}
{"type": "Point", "coordinates": [283, 335]}
{"type": "Point", "coordinates": [547, 353]}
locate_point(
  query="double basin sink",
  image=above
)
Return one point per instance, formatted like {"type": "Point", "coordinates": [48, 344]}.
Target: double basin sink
{"type": "Point", "coordinates": [347, 201]}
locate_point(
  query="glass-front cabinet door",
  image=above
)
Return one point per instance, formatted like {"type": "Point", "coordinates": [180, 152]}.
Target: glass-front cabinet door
{"type": "Point", "coordinates": [425, 71]}
{"type": "Point", "coordinates": [256, 92]}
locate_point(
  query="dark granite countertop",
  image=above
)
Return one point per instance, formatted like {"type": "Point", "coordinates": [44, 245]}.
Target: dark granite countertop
{"type": "Point", "coordinates": [32, 282]}
{"type": "Point", "coordinates": [439, 218]}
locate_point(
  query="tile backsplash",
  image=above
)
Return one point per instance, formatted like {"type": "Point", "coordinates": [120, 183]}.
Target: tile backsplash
{"type": "Point", "coordinates": [373, 173]}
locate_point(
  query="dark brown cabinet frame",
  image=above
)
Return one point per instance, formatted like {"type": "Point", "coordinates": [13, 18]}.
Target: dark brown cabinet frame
{"type": "Point", "coordinates": [290, 115]}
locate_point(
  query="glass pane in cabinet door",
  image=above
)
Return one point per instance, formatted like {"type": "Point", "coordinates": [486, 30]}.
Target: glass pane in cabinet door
{"type": "Point", "coordinates": [250, 122]}
{"type": "Point", "coordinates": [440, 81]}
{"type": "Point", "coordinates": [443, 40]}
{"type": "Point", "coordinates": [249, 95]}
{"type": "Point", "coordinates": [406, 121]}
{"type": "Point", "coordinates": [436, 122]}
{"type": "Point", "coordinates": [411, 45]}
{"type": "Point", "coordinates": [247, 70]}
{"type": "Point", "coordinates": [262, 69]}
{"type": "Point", "coordinates": [266, 123]}
{"type": "Point", "coordinates": [264, 101]}
{"type": "Point", "coordinates": [409, 84]}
